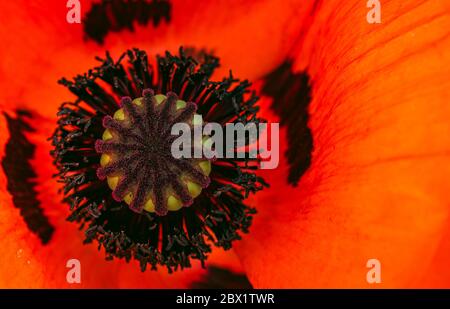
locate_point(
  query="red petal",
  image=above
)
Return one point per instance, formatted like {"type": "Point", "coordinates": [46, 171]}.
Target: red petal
{"type": "Point", "coordinates": [378, 183]}
{"type": "Point", "coordinates": [40, 47]}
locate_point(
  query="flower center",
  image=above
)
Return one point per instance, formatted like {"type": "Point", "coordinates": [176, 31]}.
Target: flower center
{"type": "Point", "coordinates": [136, 155]}
{"type": "Point", "coordinates": [128, 144]}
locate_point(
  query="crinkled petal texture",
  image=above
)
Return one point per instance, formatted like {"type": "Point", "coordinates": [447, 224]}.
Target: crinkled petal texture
{"type": "Point", "coordinates": [378, 184]}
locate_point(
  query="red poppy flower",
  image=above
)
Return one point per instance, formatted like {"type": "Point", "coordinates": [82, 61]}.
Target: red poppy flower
{"type": "Point", "coordinates": [365, 177]}
{"type": "Point", "coordinates": [64, 50]}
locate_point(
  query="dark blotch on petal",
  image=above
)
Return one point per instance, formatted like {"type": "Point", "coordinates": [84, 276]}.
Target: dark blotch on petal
{"type": "Point", "coordinates": [21, 177]}
{"type": "Point", "coordinates": [117, 15]}
{"type": "Point", "coordinates": [221, 278]}
{"type": "Point", "coordinates": [291, 95]}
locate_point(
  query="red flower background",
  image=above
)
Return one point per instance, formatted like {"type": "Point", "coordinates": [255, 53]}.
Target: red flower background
{"type": "Point", "coordinates": [371, 98]}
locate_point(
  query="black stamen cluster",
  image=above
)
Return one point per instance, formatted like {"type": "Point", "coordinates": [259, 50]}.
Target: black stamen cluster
{"type": "Point", "coordinates": [216, 216]}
